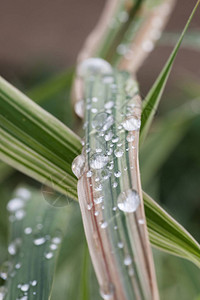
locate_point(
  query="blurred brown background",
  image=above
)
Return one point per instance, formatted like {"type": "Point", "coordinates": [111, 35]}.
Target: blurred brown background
{"type": "Point", "coordinates": [50, 34]}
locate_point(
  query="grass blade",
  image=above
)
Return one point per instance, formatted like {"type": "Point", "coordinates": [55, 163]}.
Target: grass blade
{"type": "Point", "coordinates": [168, 235]}
{"type": "Point", "coordinates": [152, 99]}
{"type": "Point", "coordinates": [38, 227]}
{"type": "Point", "coordinates": [35, 142]}
{"type": "Point", "coordinates": [110, 171]}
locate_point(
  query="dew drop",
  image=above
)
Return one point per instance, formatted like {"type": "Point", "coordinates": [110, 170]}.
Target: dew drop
{"type": "Point", "coordinates": [78, 165]}
{"type": "Point", "coordinates": [104, 225]}
{"type": "Point", "coordinates": [131, 272]}
{"type": "Point", "coordinates": [56, 240]}
{"type": "Point", "coordinates": [107, 292]}
{"type": "Point", "coordinates": [120, 245]}
{"type": "Point", "coordinates": [15, 204]}
{"type": "Point", "coordinates": [23, 193]}
{"type": "Point", "coordinates": [20, 214]}
{"type": "Point", "coordinates": [39, 241]}
{"type": "Point", "coordinates": [141, 221]}
{"type": "Point", "coordinates": [3, 291]}
{"type": "Point", "coordinates": [49, 255]}
{"type": "Point", "coordinates": [5, 269]}
{"type": "Point", "coordinates": [79, 108]}
{"type": "Point", "coordinates": [128, 201]}
{"type": "Point", "coordinates": [117, 174]}
{"type": "Point", "coordinates": [24, 287]}
{"type": "Point", "coordinates": [28, 230]}
{"type": "Point", "coordinates": [115, 184]}
{"type": "Point", "coordinates": [34, 282]}
{"type": "Point", "coordinates": [18, 266]}
{"type": "Point", "coordinates": [93, 66]}
{"type": "Point", "coordinates": [98, 161]}
{"type": "Point", "coordinates": [89, 206]}
{"type": "Point", "coordinates": [115, 139]}
{"type": "Point", "coordinates": [98, 200]}
{"type": "Point", "coordinates": [127, 260]}
{"type": "Point", "coordinates": [148, 46]}
{"type": "Point", "coordinates": [96, 213]}
{"type": "Point", "coordinates": [130, 138]}
{"type": "Point", "coordinates": [102, 121]}
{"type": "Point", "coordinates": [131, 123]}
{"type": "Point", "coordinates": [109, 105]}
{"type": "Point", "coordinates": [14, 246]}
{"type": "Point", "coordinates": [119, 153]}
{"type": "Point", "coordinates": [53, 247]}
{"type": "Point", "coordinates": [108, 136]}
{"type": "Point", "coordinates": [98, 188]}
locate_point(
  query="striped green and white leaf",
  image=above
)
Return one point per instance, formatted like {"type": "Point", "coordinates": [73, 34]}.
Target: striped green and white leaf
{"type": "Point", "coordinates": [175, 239]}
{"type": "Point", "coordinates": [152, 99]}
{"type": "Point", "coordinates": [34, 142]}
{"type": "Point", "coordinates": [36, 231]}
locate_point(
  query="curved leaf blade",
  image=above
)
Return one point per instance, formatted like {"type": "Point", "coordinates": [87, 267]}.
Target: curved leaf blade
{"type": "Point", "coordinates": [152, 99]}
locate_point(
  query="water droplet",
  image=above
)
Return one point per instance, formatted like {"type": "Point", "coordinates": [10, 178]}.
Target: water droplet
{"type": "Point", "coordinates": [23, 193]}
{"type": "Point", "coordinates": [123, 16]}
{"type": "Point", "coordinates": [14, 246]}
{"type": "Point", "coordinates": [53, 247]}
{"type": "Point", "coordinates": [102, 121]}
{"type": "Point", "coordinates": [98, 150]}
{"type": "Point", "coordinates": [98, 188]}
{"type": "Point", "coordinates": [15, 204]}
{"type": "Point", "coordinates": [115, 184]}
{"type": "Point", "coordinates": [98, 161]}
{"type": "Point", "coordinates": [3, 291]}
{"type": "Point", "coordinates": [122, 49]}
{"type": "Point", "coordinates": [39, 241]}
{"type": "Point", "coordinates": [89, 206]}
{"type": "Point", "coordinates": [131, 123]}
{"type": "Point", "coordinates": [79, 108]}
{"type": "Point", "coordinates": [128, 201]}
{"type": "Point", "coordinates": [119, 153]}
{"type": "Point", "coordinates": [108, 136]}
{"type": "Point", "coordinates": [117, 174]}
{"type": "Point", "coordinates": [127, 260]}
{"type": "Point", "coordinates": [104, 225]}
{"type": "Point", "coordinates": [105, 174]}
{"type": "Point", "coordinates": [78, 165]}
{"type": "Point", "coordinates": [18, 266]}
{"type": "Point", "coordinates": [34, 282]}
{"type": "Point", "coordinates": [20, 214]}
{"type": "Point", "coordinates": [115, 139]}
{"type": "Point", "coordinates": [24, 287]}
{"type": "Point", "coordinates": [109, 104]}
{"type": "Point", "coordinates": [93, 66]}
{"type": "Point", "coordinates": [49, 255]}
{"type": "Point", "coordinates": [5, 269]}
{"type": "Point", "coordinates": [130, 137]}
{"type": "Point", "coordinates": [94, 110]}
{"type": "Point", "coordinates": [147, 46]}
{"type": "Point", "coordinates": [120, 245]}
{"type": "Point", "coordinates": [95, 99]}
{"type": "Point", "coordinates": [28, 230]}
{"type": "Point", "coordinates": [98, 200]}
{"type": "Point", "coordinates": [56, 240]}
{"type": "Point", "coordinates": [107, 292]}
{"type": "Point", "coordinates": [141, 221]}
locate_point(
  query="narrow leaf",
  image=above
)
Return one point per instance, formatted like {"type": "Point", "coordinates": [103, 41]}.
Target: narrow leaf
{"type": "Point", "coordinates": [152, 99]}
{"type": "Point", "coordinates": [36, 234]}
{"type": "Point", "coordinates": [167, 234]}
{"type": "Point", "coordinates": [35, 142]}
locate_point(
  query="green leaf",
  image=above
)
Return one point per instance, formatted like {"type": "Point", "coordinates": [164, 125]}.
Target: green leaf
{"type": "Point", "coordinates": [36, 233]}
{"type": "Point", "coordinates": [167, 234]}
{"type": "Point", "coordinates": [35, 142]}
{"type": "Point", "coordinates": [191, 40]}
{"type": "Point", "coordinates": [152, 99]}
{"type": "Point", "coordinates": [167, 133]}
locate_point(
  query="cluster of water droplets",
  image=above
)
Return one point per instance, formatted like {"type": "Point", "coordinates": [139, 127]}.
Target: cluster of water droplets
{"type": "Point", "coordinates": [103, 159]}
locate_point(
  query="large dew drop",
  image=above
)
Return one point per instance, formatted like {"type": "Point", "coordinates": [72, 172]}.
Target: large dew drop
{"type": "Point", "coordinates": [78, 166]}
{"type": "Point", "coordinates": [98, 161]}
{"type": "Point", "coordinates": [15, 204]}
{"type": "Point", "coordinates": [94, 66]}
{"type": "Point", "coordinates": [107, 292]}
{"type": "Point", "coordinates": [102, 121]}
{"type": "Point", "coordinates": [79, 108]}
{"type": "Point", "coordinates": [128, 201]}
{"type": "Point", "coordinates": [131, 123]}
